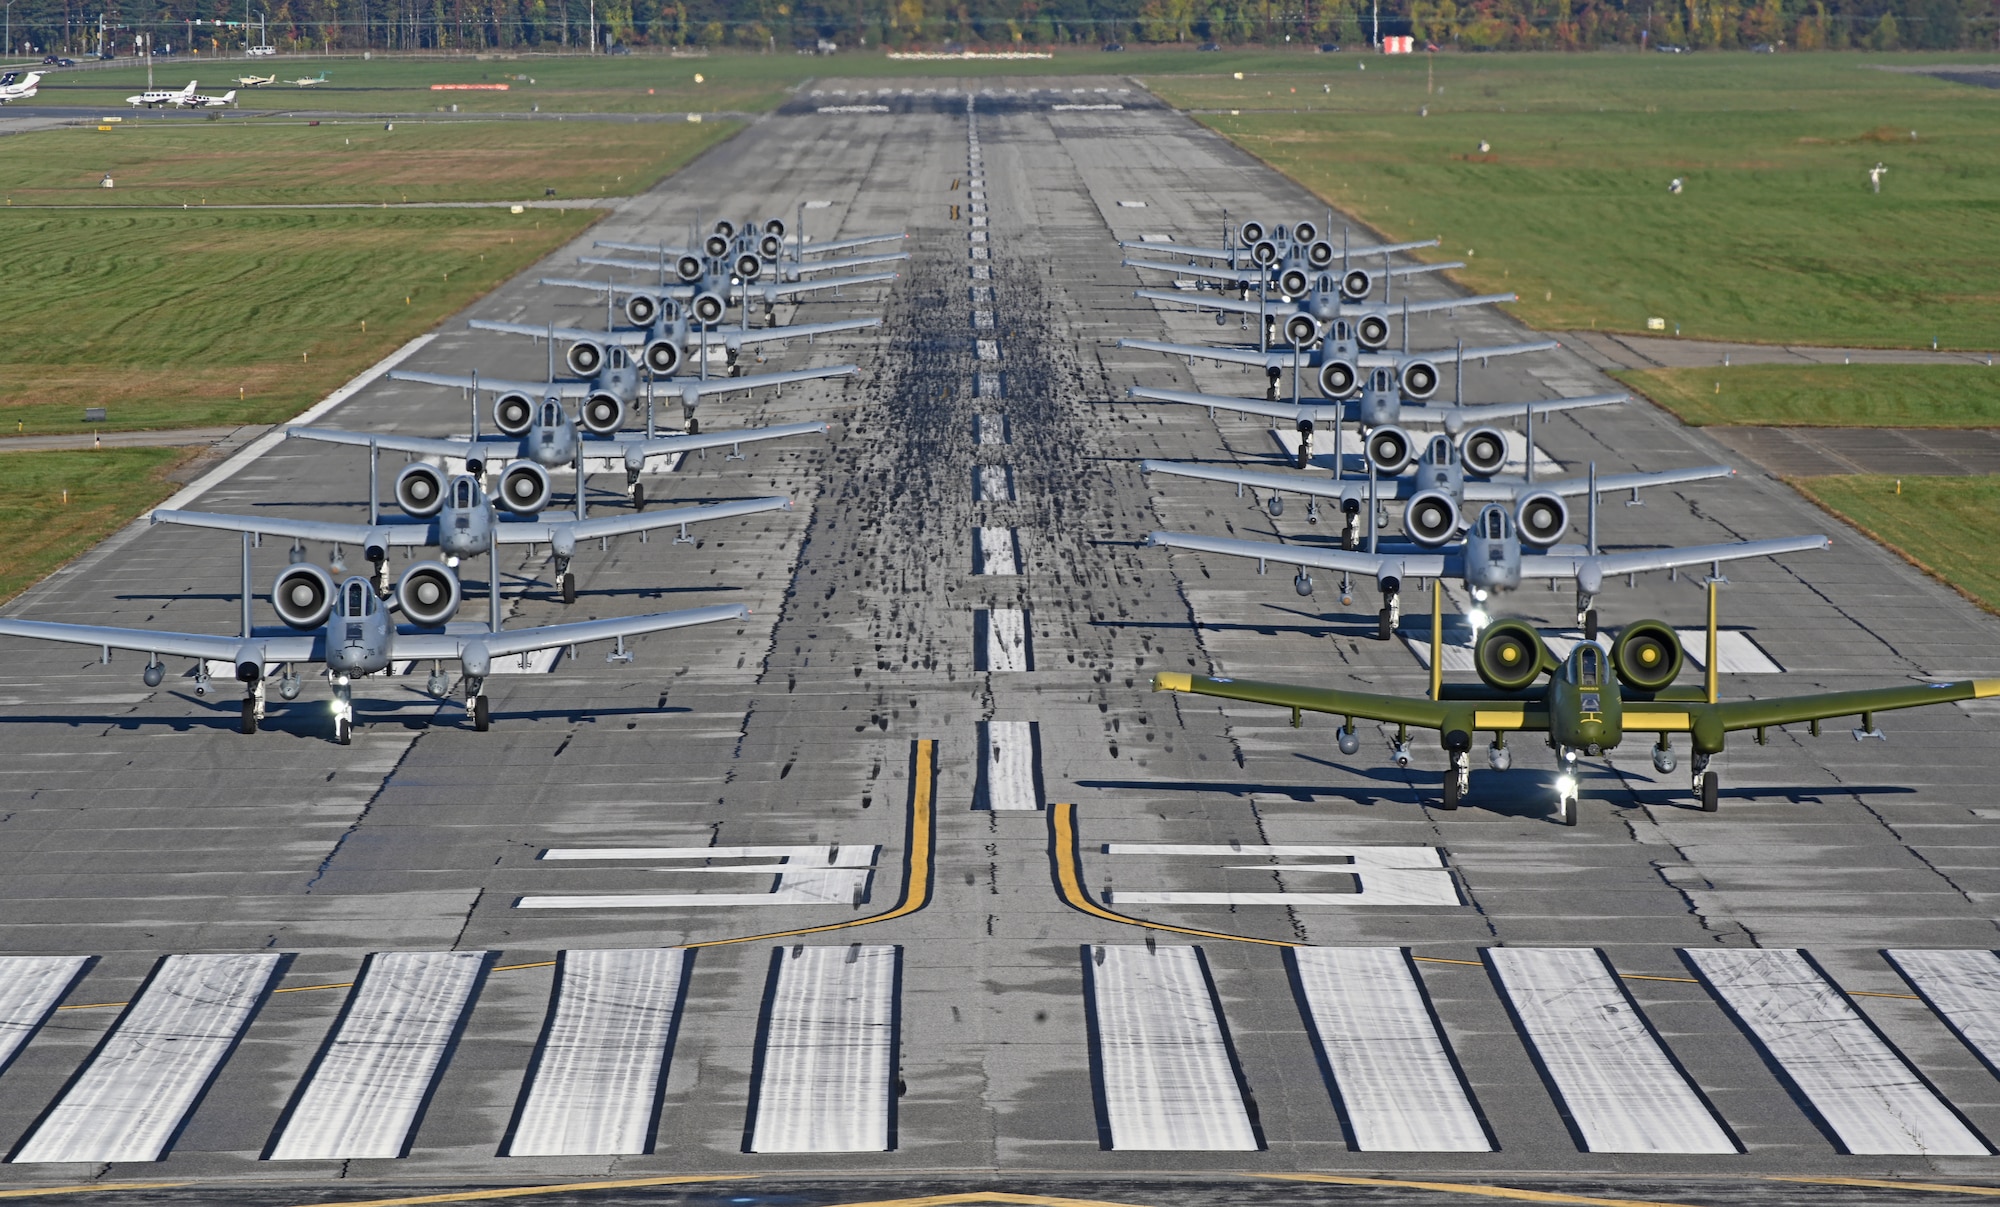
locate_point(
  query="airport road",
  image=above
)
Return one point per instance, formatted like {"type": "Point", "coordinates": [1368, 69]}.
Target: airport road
{"type": "Point", "coordinates": [976, 954]}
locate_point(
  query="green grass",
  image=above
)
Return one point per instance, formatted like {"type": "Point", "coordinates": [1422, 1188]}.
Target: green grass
{"type": "Point", "coordinates": [1948, 527]}
{"type": "Point", "coordinates": [187, 319]}
{"type": "Point", "coordinates": [1775, 238]}
{"type": "Point", "coordinates": [1827, 395]}
{"type": "Point", "coordinates": [105, 490]}
{"type": "Point", "coordinates": [219, 163]}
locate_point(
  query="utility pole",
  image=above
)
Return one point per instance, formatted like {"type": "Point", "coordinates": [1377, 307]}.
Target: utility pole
{"type": "Point", "coordinates": [593, 26]}
{"type": "Point", "coordinates": [1377, 43]}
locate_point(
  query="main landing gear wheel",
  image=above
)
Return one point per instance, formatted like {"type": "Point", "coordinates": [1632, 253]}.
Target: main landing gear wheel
{"type": "Point", "coordinates": [481, 719]}
{"type": "Point", "coordinates": [638, 496]}
{"type": "Point", "coordinates": [249, 716]}
{"type": "Point", "coordinates": [569, 588]}
{"type": "Point", "coordinates": [343, 732]}
{"type": "Point", "coordinates": [1711, 787]}
{"type": "Point", "coordinates": [1590, 625]}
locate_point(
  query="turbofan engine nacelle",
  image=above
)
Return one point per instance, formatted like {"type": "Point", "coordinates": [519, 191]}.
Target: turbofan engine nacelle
{"type": "Point", "coordinates": [1541, 518]}
{"type": "Point", "coordinates": [1304, 232]}
{"type": "Point", "coordinates": [1301, 330]}
{"type": "Point", "coordinates": [1320, 254]}
{"type": "Point", "coordinates": [725, 228]}
{"type": "Point", "coordinates": [1372, 332]}
{"type": "Point", "coordinates": [1511, 656]}
{"type": "Point", "coordinates": [525, 488]}
{"type": "Point", "coordinates": [642, 309]}
{"type": "Point", "coordinates": [1264, 252]}
{"type": "Point", "coordinates": [303, 596]}
{"type": "Point", "coordinates": [1356, 284]}
{"type": "Point", "coordinates": [717, 246]}
{"type": "Point", "coordinates": [1419, 379]}
{"type": "Point", "coordinates": [1337, 378]}
{"type": "Point", "coordinates": [585, 357]}
{"type": "Point", "coordinates": [748, 266]}
{"type": "Point", "coordinates": [602, 414]}
{"type": "Point", "coordinates": [774, 226]}
{"type": "Point", "coordinates": [513, 414]}
{"type": "Point", "coordinates": [1251, 233]}
{"type": "Point", "coordinates": [420, 490]}
{"type": "Point", "coordinates": [1648, 656]}
{"type": "Point", "coordinates": [1390, 450]}
{"type": "Point", "coordinates": [1431, 519]}
{"type": "Point", "coordinates": [428, 594]}
{"type": "Point", "coordinates": [663, 356]}
{"type": "Point", "coordinates": [708, 307]}
{"type": "Point", "coordinates": [1483, 451]}
{"type": "Point", "coordinates": [771, 246]}
{"type": "Point", "coordinates": [689, 268]}
{"type": "Point", "coordinates": [1293, 283]}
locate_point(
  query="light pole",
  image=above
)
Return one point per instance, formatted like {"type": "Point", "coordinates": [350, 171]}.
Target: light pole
{"type": "Point", "coordinates": [10, 28]}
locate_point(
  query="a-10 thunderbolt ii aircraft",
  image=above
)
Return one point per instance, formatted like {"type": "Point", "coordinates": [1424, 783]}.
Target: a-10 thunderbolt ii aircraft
{"type": "Point", "coordinates": [1320, 297]}
{"type": "Point", "coordinates": [1592, 700]}
{"type": "Point", "coordinates": [458, 518]}
{"type": "Point", "coordinates": [708, 287]}
{"type": "Point", "coordinates": [1266, 254]}
{"type": "Point", "coordinates": [1498, 550]}
{"type": "Point", "coordinates": [778, 258]}
{"type": "Point", "coordinates": [351, 631]}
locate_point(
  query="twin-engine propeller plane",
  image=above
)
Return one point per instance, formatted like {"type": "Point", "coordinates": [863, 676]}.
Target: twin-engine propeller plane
{"type": "Point", "coordinates": [1592, 700]}
{"type": "Point", "coordinates": [350, 630]}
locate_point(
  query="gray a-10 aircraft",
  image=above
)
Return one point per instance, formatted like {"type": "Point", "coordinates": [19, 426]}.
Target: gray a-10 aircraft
{"type": "Point", "coordinates": [459, 519]}
{"type": "Point", "coordinates": [1316, 299]}
{"type": "Point", "coordinates": [349, 629]}
{"type": "Point", "coordinates": [768, 241]}
{"type": "Point", "coordinates": [662, 338]}
{"type": "Point", "coordinates": [1336, 362]}
{"type": "Point", "coordinates": [1491, 557]}
{"type": "Point", "coordinates": [1261, 262]}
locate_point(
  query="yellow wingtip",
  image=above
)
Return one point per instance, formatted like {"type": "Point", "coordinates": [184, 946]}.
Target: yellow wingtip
{"type": "Point", "coordinates": [1982, 688]}
{"type": "Point", "coordinates": [1177, 681]}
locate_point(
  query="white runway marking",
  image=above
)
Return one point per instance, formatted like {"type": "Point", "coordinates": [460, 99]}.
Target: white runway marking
{"type": "Point", "coordinates": [1617, 1084]}
{"type": "Point", "coordinates": [827, 1057]}
{"type": "Point", "coordinates": [978, 237]}
{"type": "Point", "coordinates": [982, 320]}
{"type": "Point", "coordinates": [1001, 639]}
{"type": "Point", "coordinates": [1398, 1089]}
{"type": "Point", "coordinates": [369, 1085]}
{"type": "Point", "coordinates": [30, 987]}
{"type": "Point", "coordinates": [1166, 1077]}
{"type": "Point", "coordinates": [980, 253]}
{"type": "Point", "coordinates": [982, 272]}
{"type": "Point", "coordinates": [987, 349]}
{"type": "Point", "coordinates": [978, 221]}
{"type": "Point", "coordinates": [1010, 766]}
{"type": "Point", "coordinates": [1382, 876]}
{"type": "Point", "coordinates": [1861, 1087]}
{"type": "Point", "coordinates": [994, 551]}
{"type": "Point", "coordinates": [990, 429]}
{"type": "Point", "coordinates": [821, 874]}
{"type": "Point", "coordinates": [1963, 987]}
{"type": "Point", "coordinates": [988, 385]}
{"type": "Point", "coordinates": [596, 1083]}
{"type": "Point", "coordinates": [996, 483]}
{"type": "Point", "coordinates": [157, 1061]}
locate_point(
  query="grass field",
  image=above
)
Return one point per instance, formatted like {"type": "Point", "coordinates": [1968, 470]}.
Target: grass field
{"type": "Point", "coordinates": [1947, 526]}
{"type": "Point", "coordinates": [1827, 395]}
{"type": "Point", "coordinates": [105, 490]}
{"type": "Point", "coordinates": [219, 163]}
{"type": "Point", "coordinates": [188, 319]}
{"type": "Point", "coordinates": [1775, 238]}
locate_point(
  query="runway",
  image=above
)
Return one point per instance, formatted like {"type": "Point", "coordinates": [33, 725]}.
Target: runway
{"type": "Point", "coordinates": [909, 884]}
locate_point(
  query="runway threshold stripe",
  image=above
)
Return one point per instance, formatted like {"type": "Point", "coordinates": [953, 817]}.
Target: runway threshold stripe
{"type": "Point", "coordinates": [1166, 1082]}
{"type": "Point", "coordinates": [1619, 1087]}
{"type": "Point", "coordinates": [1963, 988]}
{"type": "Point", "coordinates": [368, 1088]}
{"type": "Point", "coordinates": [826, 1058]}
{"type": "Point", "coordinates": [1010, 766]}
{"type": "Point", "coordinates": [156, 1062]}
{"type": "Point", "coordinates": [1863, 1090]}
{"type": "Point", "coordinates": [30, 987]}
{"type": "Point", "coordinates": [595, 1086]}
{"type": "Point", "coordinates": [1393, 1075]}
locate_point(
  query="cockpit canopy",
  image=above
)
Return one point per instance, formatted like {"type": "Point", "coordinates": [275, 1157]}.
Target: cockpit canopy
{"type": "Point", "coordinates": [357, 599]}
{"type": "Point", "coordinates": [551, 413]}
{"type": "Point", "coordinates": [1440, 451]}
{"type": "Point", "coordinates": [464, 494]}
{"type": "Point", "coordinates": [1494, 523]}
{"type": "Point", "coordinates": [1586, 666]}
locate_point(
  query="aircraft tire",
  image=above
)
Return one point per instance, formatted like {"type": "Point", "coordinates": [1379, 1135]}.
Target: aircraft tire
{"type": "Point", "coordinates": [1566, 810]}
{"type": "Point", "coordinates": [638, 496]}
{"type": "Point", "coordinates": [1385, 631]}
{"type": "Point", "coordinates": [1590, 625]}
{"type": "Point", "coordinates": [569, 588]}
{"type": "Point", "coordinates": [343, 731]}
{"type": "Point", "coordinates": [1711, 789]}
{"type": "Point", "coordinates": [481, 719]}
{"type": "Point", "coordinates": [249, 716]}
{"type": "Point", "coordinates": [693, 426]}
{"type": "Point", "coordinates": [1451, 796]}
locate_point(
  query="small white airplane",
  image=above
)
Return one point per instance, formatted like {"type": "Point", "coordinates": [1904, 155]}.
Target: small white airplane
{"type": "Point", "coordinates": [255, 81]}
{"type": "Point", "coordinates": [154, 98]}
{"type": "Point", "coordinates": [198, 101]}
{"type": "Point", "coordinates": [309, 81]}
{"type": "Point", "coordinates": [11, 90]}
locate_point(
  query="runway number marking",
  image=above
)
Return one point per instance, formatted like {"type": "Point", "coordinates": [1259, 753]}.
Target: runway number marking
{"type": "Point", "coordinates": [1382, 876]}
{"type": "Point", "coordinates": [821, 874]}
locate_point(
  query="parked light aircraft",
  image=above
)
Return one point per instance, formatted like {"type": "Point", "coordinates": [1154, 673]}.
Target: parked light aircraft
{"type": "Point", "coordinates": [349, 630]}
{"type": "Point", "coordinates": [21, 89]}
{"type": "Point", "coordinates": [154, 98]}
{"type": "Point", "coordinates": [309, 81]}
{"type": "Point", "coordinates": [1592, 700]}
{"type": "Point", "coordinates": [459, 519]}
{"type": "Point", "coordinates": [198, 101]}
{"type": "Point", "coordinates": [255, 81]}
{"type": "Point", "coordinates": [1491, 557]}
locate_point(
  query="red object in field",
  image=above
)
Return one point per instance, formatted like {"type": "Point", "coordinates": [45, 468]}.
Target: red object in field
{"type": "Point", "coordinates": [468, 87]}
{"type": "Point", "coordinates": [1399, 44]}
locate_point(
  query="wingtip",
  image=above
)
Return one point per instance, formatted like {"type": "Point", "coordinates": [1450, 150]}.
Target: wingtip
{"type": "Point", "coordinates": [1173, 681]}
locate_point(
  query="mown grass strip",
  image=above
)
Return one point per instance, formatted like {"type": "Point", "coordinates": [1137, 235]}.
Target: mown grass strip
{"type": "Point", "coordinates": [1938, 396]}
{"type": "Point", "coordinates": [55, 505]}
{"type": "Point", "coordinates": [1948, 527]}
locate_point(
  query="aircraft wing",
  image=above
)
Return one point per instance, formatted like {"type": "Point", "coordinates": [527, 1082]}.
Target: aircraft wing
{"type": "Point", "coordinates": [1319, 411]}
{"type": "Point", "coordinates": [1484, 299]}
{"type": "Point", "coordinates": [1249, 272]}
{"type": "Point", "coordinates": [1402, 565]}
{"type": "Point", "coordinates": [1397, 710]}
{"type": "Point", "coordinates": [658, 248]}
{"type": "Point", "coordinates": [1788, 710]}
{"type": "Point", "coordinates": [866, 278]}
{"type": "Point", "coordinates": [631, 338]}
{"type": "Point", "coordinates": [305, 530]}
{"type": "Point", "coordinates": [1568, 487]}
{"type": "Point", "coordinates": [695, 387]}
{"type": "Point", "coordinates": [841, 244]}
{"type": "Point", "coordinates": [1236, 356]}
{"type": "Point", "coordinates": [1446, 356]}
{"type": "Point", "coordinates": [1583, 567]}
{"type": "Point", "coordinates": [615, 262]}
{"type": "Point", "coordinates": [759, 335]}
{"type": "Point", "coordinates": [662, 446]}
{"type": "Point", "coordinates": [304, 647]}
{"type": "Point", "coordinates": [846, 262]}
{"type": "Point", "coordinates": [1488, 412]}
{"type": "Point", "coordinates": [527, 532]}
{"type": "Point", "coordinates": [1325, 488]}
{"type": "Point", "coordinates": [424, 446]}
{"type": "Point", "coordinates": [672, 290]}
{"type": "Point", "coordinates": [549, 636]}
{"type": "Point", "coordinates": [1232, 305]}
{"type": "Point", "coordinates": [536, 389]}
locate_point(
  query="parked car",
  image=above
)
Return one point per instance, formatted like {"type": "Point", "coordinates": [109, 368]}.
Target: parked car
{"type": "Point", "coordinates": [1211, 46]}
{"type": "Point", "coordinates": [1329, 48]}
{"type": "Point", "coordinates": [56, 60]}
{"type": "Point", "coordinates": [1110, 47]}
